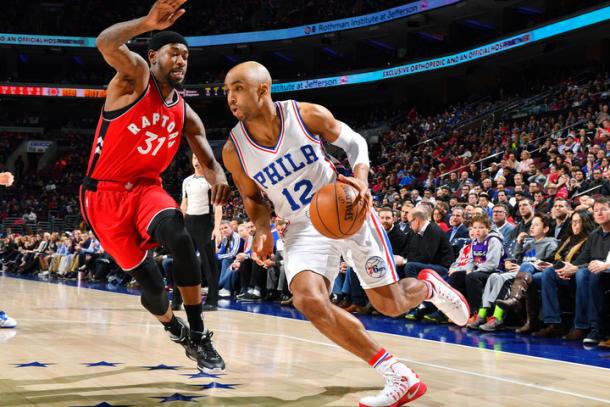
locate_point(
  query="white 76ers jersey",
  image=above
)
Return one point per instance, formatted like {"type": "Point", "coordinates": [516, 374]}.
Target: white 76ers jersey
{"type": "Point", "coordinates": [290, 172]}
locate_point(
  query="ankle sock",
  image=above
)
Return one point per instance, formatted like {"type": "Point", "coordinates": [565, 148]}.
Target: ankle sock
{"type": "Point", "coordinates": [384, 361]}
{"type": "Point", "coordinates": [482, 312]}
{"type": "Point", "coordinates": [174, 327]}
{"type": "Point", "coordinates": [499, 313]}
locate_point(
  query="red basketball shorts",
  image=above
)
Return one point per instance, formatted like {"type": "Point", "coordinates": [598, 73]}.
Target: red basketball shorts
{"type": "Point", "coordinates": [121, 217]}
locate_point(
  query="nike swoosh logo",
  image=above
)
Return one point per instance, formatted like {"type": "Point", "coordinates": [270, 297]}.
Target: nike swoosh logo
{"type": "Point", "coordinates": [411, 395]}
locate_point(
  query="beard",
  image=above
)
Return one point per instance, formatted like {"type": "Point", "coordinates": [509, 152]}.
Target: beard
{"type": "Point", "coordinates": [178, 85]}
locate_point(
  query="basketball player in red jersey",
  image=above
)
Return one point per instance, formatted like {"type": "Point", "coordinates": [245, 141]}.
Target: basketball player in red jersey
{"type": "Point", "coordinates": [137, 136]}
{"type": "Point", "coordinates": [277, 147]}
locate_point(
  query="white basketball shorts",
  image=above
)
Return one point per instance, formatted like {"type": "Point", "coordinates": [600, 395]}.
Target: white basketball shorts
{"type": "Point", "coordinates": [368, 252]}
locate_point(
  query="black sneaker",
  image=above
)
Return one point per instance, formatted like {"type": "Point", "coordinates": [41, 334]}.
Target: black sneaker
{"type": "Point", "coordinates": [251, 298]}
{"type": "Point", "coordinates": [208, 360]}
{"type": "Point", "coordinates": [208, 307]}
{"type": "Point", "coordinates": [593, 338]}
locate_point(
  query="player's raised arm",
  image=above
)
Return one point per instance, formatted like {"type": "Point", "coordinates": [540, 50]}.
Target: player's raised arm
{"type": "Point", "coordinates": [256, 208]}
{"type": "Point", "coordinates": [132, 70]}
{"type": "Point", "coordinates": [319, 120]}
{"type": "Point", "coordinates": [213, 172]}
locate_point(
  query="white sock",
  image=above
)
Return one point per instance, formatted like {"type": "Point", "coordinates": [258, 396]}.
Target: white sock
{"type": "Point", "coordinates": [387, 362]}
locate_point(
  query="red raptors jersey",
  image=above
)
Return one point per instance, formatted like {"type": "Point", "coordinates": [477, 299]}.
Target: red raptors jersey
{"type": "Point", "coordinates": [138, 141]}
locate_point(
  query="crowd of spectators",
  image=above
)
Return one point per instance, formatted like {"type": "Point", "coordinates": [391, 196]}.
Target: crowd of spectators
{"type": "Point", "coordinates": [507, 209]}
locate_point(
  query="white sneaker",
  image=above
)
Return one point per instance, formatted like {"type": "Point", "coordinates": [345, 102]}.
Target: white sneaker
{"type": "Point", "coordinates": [398, 390]}
{"type": "Point", "coordinates": [224, 293]}
{"type": "Point", "coordinates": [6, 321]}
{"type": "Point", "coordinates": [446, 298]}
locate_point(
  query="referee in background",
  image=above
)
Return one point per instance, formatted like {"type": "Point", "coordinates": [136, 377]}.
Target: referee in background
{"type": "Point", "coordinates": [197, 209]}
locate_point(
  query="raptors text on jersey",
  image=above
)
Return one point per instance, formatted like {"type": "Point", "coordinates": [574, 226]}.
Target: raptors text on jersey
{"type": "Point", "coordinates": [138, 141]}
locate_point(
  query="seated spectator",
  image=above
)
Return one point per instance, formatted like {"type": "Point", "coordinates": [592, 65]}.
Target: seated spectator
{"type": "Point", "coordinates": [499, 216]}
{"type": "Point", "coordinates": [427, 246]}
{"type": "Point", "coordinates": [597, 185]}
{"type": "Point", "coordinates": [397, 238]}
{"type": "Point", "coordinates": [487, 253]}
{"type": "Point", "coordinates": [405, 217]}
{"type": "Point", "coordinates": [592, 270]}
{"type": "Point", "coordinates": [526, 213]}
{"type": "Point", "coordinates": [226, 253]}
{"type": "Point", "coordinates": [438, 217]}
{"type": "Point", "coordinates": [458, 234]}
{"type": "Point", "coordinates": [581, 226]}
{"type": "Point", "coordinates": [560, 212]}
{"type": "Point", "coordinates": [530, 259]}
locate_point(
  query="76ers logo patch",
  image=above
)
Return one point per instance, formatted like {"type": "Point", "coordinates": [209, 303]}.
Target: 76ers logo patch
{"type": "Point", "coordinates": [375, 267]}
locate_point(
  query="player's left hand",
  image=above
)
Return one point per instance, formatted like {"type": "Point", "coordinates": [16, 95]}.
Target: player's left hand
{"type": "Point", "coordinates": [364, 194]}
{"type": "Point", "coordinates": [220, 194]}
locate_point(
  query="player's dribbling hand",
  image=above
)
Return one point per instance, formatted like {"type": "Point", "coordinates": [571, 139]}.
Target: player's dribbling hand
{"type": "Point", "coordinates": [220, 194]}
{"type": "Point", "coordinates": [164, 13]}
{"type": "Point", "coordinates": [262, 246]}
{"type": "Point", "coordinates": [363, 189]}
{"type": "Point", "coordinates": [6, 179]}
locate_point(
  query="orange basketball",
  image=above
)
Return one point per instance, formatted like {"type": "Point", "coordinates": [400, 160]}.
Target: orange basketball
{"type": "Point", "coordinates": [334, 213]}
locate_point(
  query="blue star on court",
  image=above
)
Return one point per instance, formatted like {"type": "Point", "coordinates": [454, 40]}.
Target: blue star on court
{"type": "Point", "coordinates": [104, 404]}
{"type": "Point", "coordinates": [177, 397]}
{"type": "Point", "coordinates": [33, 364]}
{"type": "Point", "coordinates": [200, 375]}
{"type": "Point", "coordinates": [216, 385]}
{"type": "Point", "coordinates": [161, 367]}
{"type": "Point", "coordinates": [102, 363]}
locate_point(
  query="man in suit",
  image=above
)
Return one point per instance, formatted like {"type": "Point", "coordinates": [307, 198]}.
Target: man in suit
{"type": "Point", "coordinates": [398, 239]}
{"type": "Point", "coordinates": [427, 246]}
{"type": "Point", "coordinates": [405, 217]}
{"type": "Point", "coordinates": [458, 234]}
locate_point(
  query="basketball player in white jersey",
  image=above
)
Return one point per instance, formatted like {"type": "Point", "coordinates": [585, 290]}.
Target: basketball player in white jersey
{"type": "Point", "coordinates": [277, 147]}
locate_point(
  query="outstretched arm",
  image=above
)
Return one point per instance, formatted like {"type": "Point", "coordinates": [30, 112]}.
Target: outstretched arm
{"type": "Point", "coordinates": [213, 172]}
{"type": "Point", "coordinates": [256, 208]}
{"type": "Point", "coordinates": [319, 120]}
{"type": "Point", "coordinates": [132, 70]}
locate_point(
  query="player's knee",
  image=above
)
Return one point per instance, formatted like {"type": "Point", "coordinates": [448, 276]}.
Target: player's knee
{"type": "Point", "coordinates": [312, 305]}
{"type": "Point", "coordinates": [180, 244]}
{"type": "Point", "coordinates": [391, 308]}
{"type": "Point", "coordinates": [152, 287]}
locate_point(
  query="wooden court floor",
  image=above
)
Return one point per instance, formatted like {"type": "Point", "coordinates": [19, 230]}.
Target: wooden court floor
{"type": "Point", "coordinates": [271, 361]}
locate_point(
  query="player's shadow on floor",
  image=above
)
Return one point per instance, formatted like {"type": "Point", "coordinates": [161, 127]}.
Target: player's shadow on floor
{"type": "Point", "coordinates": [146, 393]}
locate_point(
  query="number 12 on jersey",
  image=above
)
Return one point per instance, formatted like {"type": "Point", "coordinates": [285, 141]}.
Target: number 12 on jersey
{"type": "Point", "coordinates": [304, 186]}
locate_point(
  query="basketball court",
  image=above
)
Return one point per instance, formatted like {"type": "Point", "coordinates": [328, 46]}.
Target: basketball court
{"type": "Point", "coordinates": [79, 346]}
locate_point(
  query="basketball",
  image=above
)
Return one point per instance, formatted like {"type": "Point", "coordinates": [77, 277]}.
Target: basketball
{"type": "Point", "coordinates": [334, 212]}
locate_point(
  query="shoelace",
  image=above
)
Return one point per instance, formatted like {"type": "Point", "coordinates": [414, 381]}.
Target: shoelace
{"type": "Point", "coordinates": [395, 386]}
{"type": "Point", "coordinates": [452, 299]}
{"type": "Point", "coordinates": [207, 347]}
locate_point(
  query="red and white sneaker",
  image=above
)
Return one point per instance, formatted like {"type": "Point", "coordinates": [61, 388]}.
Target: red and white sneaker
{"type": "Point", "coordinates": [446, 298]}
{"type": "Point", "coordinates": [398, 390]}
